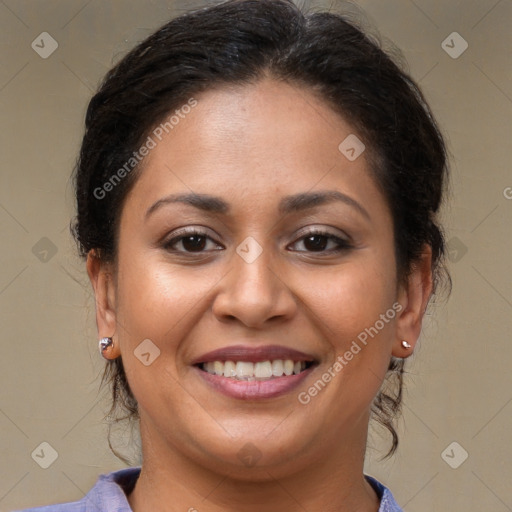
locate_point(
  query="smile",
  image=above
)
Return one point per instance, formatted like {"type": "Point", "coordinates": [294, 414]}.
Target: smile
{"type": "Point", "coordinates": [243, 383]}
{"type": "Point", "coordinates": [260, 371]}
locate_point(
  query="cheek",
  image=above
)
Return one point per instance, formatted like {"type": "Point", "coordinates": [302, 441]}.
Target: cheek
{"type": "Point", "coordinates": [361, 320]}
{"type": "Point", "coordinates": [352, 297]}
{"type": "Point", "coordinates": [163, 303]}
{"type": "Point", "coordinates": [156, 296]}
{"type": "Point", "coordinates": [354, 311]}
{"type": "Point", "coordinates": [356, 308]}
{"type": "Point", "coordinates": [157, 303]}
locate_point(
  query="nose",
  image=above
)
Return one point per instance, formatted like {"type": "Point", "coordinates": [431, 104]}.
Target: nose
{"type": "Point", "coordinates": [254, 293]}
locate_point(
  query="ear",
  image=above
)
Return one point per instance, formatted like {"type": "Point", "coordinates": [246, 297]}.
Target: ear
{"type": "Point", "coordinates": [101, 277]}
{"type": "Point", "coordinates": [414, 299]}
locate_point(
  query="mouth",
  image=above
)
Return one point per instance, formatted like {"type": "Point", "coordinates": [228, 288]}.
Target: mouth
{"type": "Point", "coordinates": [253, 373]}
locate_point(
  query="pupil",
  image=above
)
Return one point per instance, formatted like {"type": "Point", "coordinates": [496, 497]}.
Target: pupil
{"type": "Point", "coordinates": [198, 245]}
{"type": "Point", "coordinates": [318, 245]}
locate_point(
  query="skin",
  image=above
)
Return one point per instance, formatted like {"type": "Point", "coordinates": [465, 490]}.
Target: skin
{"type": "Point", "coordinates": [252, 146]}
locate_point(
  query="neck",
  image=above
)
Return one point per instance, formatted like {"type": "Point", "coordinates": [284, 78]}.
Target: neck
{"type": "Point", "coordinates": [333, 484]}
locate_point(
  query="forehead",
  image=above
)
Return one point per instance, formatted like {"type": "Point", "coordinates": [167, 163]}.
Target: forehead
{"type": "Point", "coordinates": [266, 139]}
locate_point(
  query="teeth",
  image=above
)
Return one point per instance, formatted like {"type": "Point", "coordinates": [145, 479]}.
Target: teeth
{"type": "Point", "coordinates": [229, 369]}
{"type": "Point", "coordinates": [262, 370]}
{"type": "Point", "coordinates": [277, 368]}
{"type": "Point", "coordinates": [243, 369]}
{"type": "Point", "coordinates": [218, 368]}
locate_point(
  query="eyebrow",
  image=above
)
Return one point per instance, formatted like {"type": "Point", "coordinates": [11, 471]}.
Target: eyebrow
{"type": "Point", "coordinates": [287, 205]}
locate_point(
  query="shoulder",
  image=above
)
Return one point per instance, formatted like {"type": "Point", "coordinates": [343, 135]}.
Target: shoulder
{"type": "Point", "coordinates": [387, 501]}
{"type": "Point", "coordinates": [110, 489]}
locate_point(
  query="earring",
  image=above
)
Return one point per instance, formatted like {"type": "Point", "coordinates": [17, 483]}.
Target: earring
{"type": "Point", "coordinates": [104, 344]}
{"type": "Point", "coordinates": [406, 345]}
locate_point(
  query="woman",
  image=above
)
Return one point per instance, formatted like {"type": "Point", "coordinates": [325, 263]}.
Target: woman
{"type": "Point", "coordinates": [257, 195]}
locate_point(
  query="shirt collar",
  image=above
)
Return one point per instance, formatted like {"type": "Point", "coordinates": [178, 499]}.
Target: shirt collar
{"type": "Point", "coordinates": [113, 488]}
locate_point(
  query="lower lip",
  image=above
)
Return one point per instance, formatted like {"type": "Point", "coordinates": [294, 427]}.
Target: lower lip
{"type": "Point", "coordinates": [254, 390]}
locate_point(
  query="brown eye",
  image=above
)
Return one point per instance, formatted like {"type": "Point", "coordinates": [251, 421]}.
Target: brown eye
{"type": "Point", "coordinates": [318, 241]}
{"type": "Point", "coordinates": [194, 243]}
{"type": "Point", "coordinates": [315, 242]}
{"type": "Point", "coordinates": [191, 242]}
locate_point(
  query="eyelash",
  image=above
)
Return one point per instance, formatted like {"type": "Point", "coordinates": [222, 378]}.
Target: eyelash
{"type": "Point", "coordinates": [343, 245]}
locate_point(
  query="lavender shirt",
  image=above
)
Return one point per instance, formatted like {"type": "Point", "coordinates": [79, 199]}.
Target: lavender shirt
{"type": "Point", "coordinates": [110, 490]}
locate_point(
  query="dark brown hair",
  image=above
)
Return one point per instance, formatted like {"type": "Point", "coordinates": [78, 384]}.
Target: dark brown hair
{"type": "Point", "coordinates": [239, 42]}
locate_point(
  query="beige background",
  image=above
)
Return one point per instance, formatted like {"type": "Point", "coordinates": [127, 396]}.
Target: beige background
{"type": "Point", "coordinates": [459, 384]}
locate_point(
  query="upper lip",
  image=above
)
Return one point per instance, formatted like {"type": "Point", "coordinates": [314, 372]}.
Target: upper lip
{"type": "Point", "coordinates": [253, 354]}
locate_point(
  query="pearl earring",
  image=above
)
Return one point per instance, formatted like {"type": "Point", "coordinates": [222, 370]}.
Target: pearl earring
{"type": "Point", "coordinates": [406, 345]}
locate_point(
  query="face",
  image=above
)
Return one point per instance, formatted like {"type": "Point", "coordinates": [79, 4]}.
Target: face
{"type": "Point", "coordinates": [288, 244]}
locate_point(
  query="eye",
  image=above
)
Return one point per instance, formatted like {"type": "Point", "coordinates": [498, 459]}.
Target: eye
{"type": "Point", "coordinates": [318, 240]}
{"type": "Point", "coordinates": [192, 240]}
